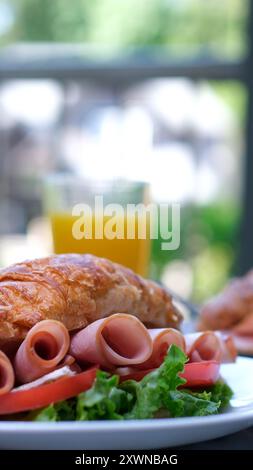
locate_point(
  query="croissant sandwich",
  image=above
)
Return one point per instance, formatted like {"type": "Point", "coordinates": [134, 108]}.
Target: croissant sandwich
{"type": "Point", "coordinates": [72, 324]}
{"type": "Point", "coordinates": [76, 290]}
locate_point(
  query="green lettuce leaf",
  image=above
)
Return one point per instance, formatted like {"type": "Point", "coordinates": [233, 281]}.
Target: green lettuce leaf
{"type": "Point", "coordinates": [105, 400]}
{"type": "Point", "coordinates": [150, 391]}
{"type": "Point", "coordinates": [45, 414]}
{"type": "Point", "coordinates": [221, 393]}
{"type": "Point", "coordinates": [182, 403]}
{"type": "Point", "coordinates": [156, 395]}
{"type": "Point", "coordinates": [62, 411]}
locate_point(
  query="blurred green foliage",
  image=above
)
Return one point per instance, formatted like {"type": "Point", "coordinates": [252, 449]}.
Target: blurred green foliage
{"type": "Point", "coordinates": [212, 26]}
{"type": "Point", "coordinates": [234, 95]}
{"type": "Point", "coordinates": [208, 246]}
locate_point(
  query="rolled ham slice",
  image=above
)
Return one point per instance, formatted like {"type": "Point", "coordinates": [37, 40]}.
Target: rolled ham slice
{"type": "Point", "coordinates": [6, 374]}
{"type": "Point", "coordinates": [229, 350]}
{"type": "Point", "coordinates": [118, 340]}
{"type": "Point", "coordinates": [203, 347]}
{"type": "Point", "coordinates": [69, 361]}
{"type": "Point", "coordinates": [162, 339]}
{"type": "Point", "coordinates": [210, 346]}
{"type": "Point", "coordinates": [44, 347]}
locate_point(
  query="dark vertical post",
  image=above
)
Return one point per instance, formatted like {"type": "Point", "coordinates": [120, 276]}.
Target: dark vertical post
{"type": "Point", "coordinates": [245, 260]}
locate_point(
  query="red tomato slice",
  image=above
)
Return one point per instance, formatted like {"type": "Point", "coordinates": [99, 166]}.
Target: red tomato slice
{"type": "Point", "coordinates": [61, 389]}
{"type": "Point", "coordinates": [201, 374]}
{"type": "Point", "coordinates": [197, 374]}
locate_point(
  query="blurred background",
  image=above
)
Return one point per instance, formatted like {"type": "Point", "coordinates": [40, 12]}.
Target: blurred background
{"type": "Point", "coordinates": [158, 91]}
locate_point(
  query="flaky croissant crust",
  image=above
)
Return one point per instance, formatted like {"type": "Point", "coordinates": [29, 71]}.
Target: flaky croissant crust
{"type": "Point", "coordinates": [76, 290]}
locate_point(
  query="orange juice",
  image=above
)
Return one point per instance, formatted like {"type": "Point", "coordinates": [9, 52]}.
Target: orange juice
{"type": "Point", "coordinates": [133, 253]}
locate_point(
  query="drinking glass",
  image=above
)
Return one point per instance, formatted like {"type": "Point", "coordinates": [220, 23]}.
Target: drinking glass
{"type": "Point", "coordinates": [65, 194]}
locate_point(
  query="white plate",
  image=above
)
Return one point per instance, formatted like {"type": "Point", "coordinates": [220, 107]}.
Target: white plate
{"type": "Point", "coordinates": [146, 434]}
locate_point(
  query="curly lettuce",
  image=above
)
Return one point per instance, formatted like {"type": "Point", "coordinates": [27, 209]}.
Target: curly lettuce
{"type": "Point", "coordinates": [157, 394]}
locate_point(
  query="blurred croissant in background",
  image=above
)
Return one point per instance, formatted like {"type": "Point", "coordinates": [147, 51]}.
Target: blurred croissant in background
{"type": "Point", "coordinates": [232, 310]}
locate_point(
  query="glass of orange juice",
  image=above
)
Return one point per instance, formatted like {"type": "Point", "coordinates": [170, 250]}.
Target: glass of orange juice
{"type": "Point", "coordinates": [94, 217]}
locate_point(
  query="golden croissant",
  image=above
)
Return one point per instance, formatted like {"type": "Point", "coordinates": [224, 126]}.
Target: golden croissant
{"type": "Point", "coordinates": [76, 290]}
